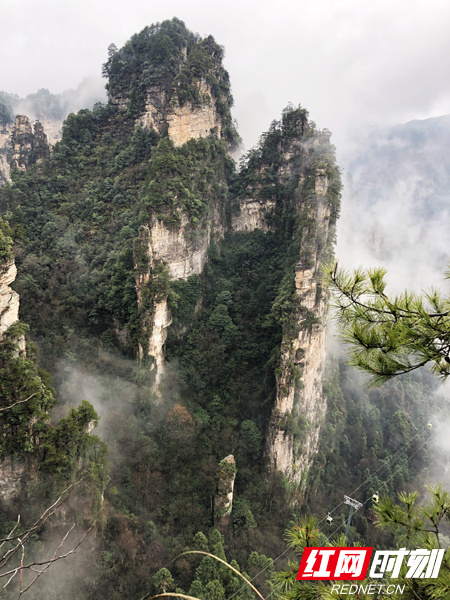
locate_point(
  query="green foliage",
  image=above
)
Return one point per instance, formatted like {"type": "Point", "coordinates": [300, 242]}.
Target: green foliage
{"type": "Point", "coordinates": [66, 442]}
{"type": "Point", "coordinates": [185, 179]}
{"type": "Point", "coordinates": [216, 579]}
{"type": "Point", "coordinates": [151, 57]}
{"type": "Point", "coordinates": [373, 440]}
{"type": "Point", "coordinates": [6, 241]}
{"type": "Point", "coordinates": [26, 399]}
{"type": "Point", "coordinates": [229, 341]}
{"type": "Point", "coordinates": [25, 389]}
{"type": "Point", "coordinates": [163, 581]}
{"type": "Point", "coordinates": [390, 336]}
{"type": "Point", "coordinates": [77, 270]}
{"type": "Point", "coordinates": [227, 468]}
{"type": "Point", "coordinates": [242, 515]}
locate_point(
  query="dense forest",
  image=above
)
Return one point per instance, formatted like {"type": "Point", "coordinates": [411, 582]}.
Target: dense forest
{"type": "Point", "coordinates": [81, 224]}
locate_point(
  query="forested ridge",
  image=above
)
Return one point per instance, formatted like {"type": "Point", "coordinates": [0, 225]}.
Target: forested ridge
{"type": "Point", "coordinates": [77, 222]}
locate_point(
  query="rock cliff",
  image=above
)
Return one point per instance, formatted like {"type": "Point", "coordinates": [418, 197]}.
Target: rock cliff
{"type": "Point", "coordinates": [25, 142]}
{"type": "Point", "coordinates": [9, 300]}
{"type": "Point", "coordinates": [223, 502]}
{"type": "Point", "coordinates": [192, 102]}
{"type": "Point", "coordinates": [5, 146]}
{"type": "Point", "coordinates": [300, 404]}
{"type": "Point", "coordinates": [193, 121]}
{"type": "Point", "coordinates": [296, 179]}
{"type": "Point", "coordinates": [288, 188]}
{"type": "Point", "coordinates": [29, 143]}
{"type": "Point", "coordinates": [291, 188]}
{"type": "Point", "coordinates": [11, 475]}
{"type": "Point", "coordinates": [183, 251]}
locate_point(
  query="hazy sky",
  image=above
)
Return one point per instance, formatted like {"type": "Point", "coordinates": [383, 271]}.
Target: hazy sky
{"type": "Point", "coordinates": [351, 63]}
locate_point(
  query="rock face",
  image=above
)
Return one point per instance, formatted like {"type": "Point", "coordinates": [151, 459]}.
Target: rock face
{"type": "Point", "coordinates": [29, 144]}
{"type": "Point", "coordinates": [24, 143]}
{"type": "Point", "coordinates": [9, 300]}
{"type": "Point", "coordinates": [5, 146]}
{"type": "Point", "coordinates": [223, 502]}
{"type": "Point", "coordinates": [155, 114]}
{"type": "Point", "coordinates": [252, 215]}
{"type": "Point", "coordinates": [193, 121]}
{"type": "Point", "coordinates": [162, 319]}
{"type": "Point", "coordinates": [300, 400]}
{"type": "Point", "coordinates": [183, 251]}
{"type": "Point", "coordinates": [11, 474]}
{"type": "Point", "coordinates": [184, 255]}
{"type": "Point", "coordinates": [183, 121]}
{"type": "Point", "coordinates": [303, 167]}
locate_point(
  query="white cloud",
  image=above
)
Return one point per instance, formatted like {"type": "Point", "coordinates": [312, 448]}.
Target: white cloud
{"type": "Point", "coordinates": [349, 63]}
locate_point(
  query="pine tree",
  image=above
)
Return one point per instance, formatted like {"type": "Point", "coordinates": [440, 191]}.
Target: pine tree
{"type": "Point", "coordinates": [414, 525]}
{"type": "Point", "coordinates": [390, 335]}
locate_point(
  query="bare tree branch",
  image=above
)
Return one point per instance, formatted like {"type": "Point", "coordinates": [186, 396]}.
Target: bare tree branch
{"type": "Point", "coordinates": [18, 402]}
{"type": "Point", "coordinates": [39, 573]}
{"type": "Point", "coordinates": [25, 536]}
{"type": "Point", "coordinates": [3, 542]}
{"type": "Point", "coordinates": [45, 564]}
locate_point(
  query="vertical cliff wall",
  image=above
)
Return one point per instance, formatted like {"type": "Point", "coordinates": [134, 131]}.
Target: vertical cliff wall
{"type": "Point", "coordinates": [5, 147]}
{"type": "Point", "coordinates": [300, 404]}
{"type": "Point", "coordinates": [9, 299]}
{"type": "Point", "coordinates": [164, 253]}
{"type": "Point", "coordinates": [11, 471]}
{"type": "Point", "coordinates": [292, 185]}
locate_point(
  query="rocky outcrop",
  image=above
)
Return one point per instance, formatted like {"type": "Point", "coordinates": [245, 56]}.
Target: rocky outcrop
{"type": "Point", "coordinates": [163, 111]}
{"type": "Point", "coordinates": [223, 502]}
{"type": "Point", "coordinates": [252, 215]}
{"type": "Point", "coordinates": [295, 179]}
{"type": "Point", "coordinates": [52, 129]}
{"type": "Point", "coordinates": [183, 251]}
{"type": "Point", "coordinates": [154, 116]}
{"type": "Point", "coordinates": [5, 146]}
{"type": "Point", "coordinates": [23, 140]}
{"type": "Point", "coordinates": [29, 144]}
{"type": "Point", "coordinates": [161, 321]}
{"type": "Point", "coordinates": [9, 300]}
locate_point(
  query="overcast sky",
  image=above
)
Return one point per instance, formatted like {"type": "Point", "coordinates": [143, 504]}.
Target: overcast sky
{"type": "Point", "coordinates": [351, 63]}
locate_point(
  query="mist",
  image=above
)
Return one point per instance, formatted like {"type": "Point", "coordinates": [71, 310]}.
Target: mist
{"type": "Point", "coordinates": [396, 204]}
{"type": "Point", "coordinates": [396, 214]}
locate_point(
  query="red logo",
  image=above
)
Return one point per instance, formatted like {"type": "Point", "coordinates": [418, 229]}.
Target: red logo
{"type": "Point", "coordinates": [334, 563]}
